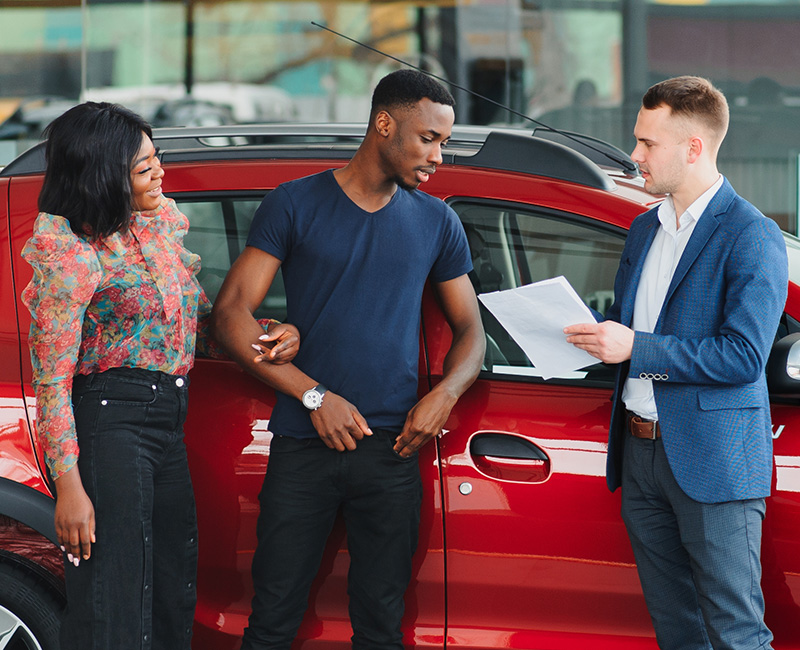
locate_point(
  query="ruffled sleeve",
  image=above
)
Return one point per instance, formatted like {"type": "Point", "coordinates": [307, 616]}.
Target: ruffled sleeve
{"type": "Point", "coordinates": [66, 274]}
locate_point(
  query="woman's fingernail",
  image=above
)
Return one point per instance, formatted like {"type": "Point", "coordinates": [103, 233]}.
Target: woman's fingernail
{"type": "Point", "coordinates": [264, 337]}
{"type": "Point", "coordinates": [256, 347]}
{"type": "Point", "coordinates": [63, 550]}
{"type": "Point", "coordinates": [70, 558]}
{"type": "Point", "coordinates": [76, 561]}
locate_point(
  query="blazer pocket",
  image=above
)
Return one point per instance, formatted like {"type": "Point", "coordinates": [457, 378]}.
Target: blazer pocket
{"type": "Point", "coordinates": [733, 397]}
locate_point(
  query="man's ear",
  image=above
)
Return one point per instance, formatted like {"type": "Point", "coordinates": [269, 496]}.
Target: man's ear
{"type": "Point", "coordinates": [696, 148]}
{"type": "Point", "coordinates": [383, 123]}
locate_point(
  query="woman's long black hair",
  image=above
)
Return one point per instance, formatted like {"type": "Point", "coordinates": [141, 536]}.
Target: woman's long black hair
{"type": "Point", "coordinates": [90, 150]}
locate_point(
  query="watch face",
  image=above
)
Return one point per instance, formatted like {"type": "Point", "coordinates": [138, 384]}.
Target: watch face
{"type": "Point", "coordinates": [312, 399]}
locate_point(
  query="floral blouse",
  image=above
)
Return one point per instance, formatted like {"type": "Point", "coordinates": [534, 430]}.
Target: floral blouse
{"type": "Point", "coordinates": [129, 300]}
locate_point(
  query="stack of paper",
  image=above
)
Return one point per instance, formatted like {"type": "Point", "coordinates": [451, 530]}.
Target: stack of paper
{"type": "Point", "coordinates": [535, 316]}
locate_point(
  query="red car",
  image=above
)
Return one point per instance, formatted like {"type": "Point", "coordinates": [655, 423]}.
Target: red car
{"type": "Point", "coordinates": [522, 545]}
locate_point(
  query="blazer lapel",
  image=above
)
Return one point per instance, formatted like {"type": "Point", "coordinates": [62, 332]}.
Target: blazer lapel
{"type": "Point", "coordinates": [637, 258]}
{"type": "Point", "coordinates": [705, 227]}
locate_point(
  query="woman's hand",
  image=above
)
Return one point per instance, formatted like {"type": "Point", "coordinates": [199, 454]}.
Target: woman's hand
{"type": "Point", "coordinates": [75, 525]}
{"type": "Point", "coordinates": [279, 345]}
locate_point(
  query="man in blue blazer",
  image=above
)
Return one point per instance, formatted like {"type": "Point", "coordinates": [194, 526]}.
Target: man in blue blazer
{"type": "Point", "coordinates": [699, 292]}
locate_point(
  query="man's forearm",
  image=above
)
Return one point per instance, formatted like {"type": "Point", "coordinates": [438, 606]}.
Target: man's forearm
{"type": "Point", "coordinates": [236, 331]}
{"type": "Point", "coordinates": [463, 361]}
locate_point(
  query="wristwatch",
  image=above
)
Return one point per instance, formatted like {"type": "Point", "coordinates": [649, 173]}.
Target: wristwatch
{"type": "Point", "coordinates": [312, 398]}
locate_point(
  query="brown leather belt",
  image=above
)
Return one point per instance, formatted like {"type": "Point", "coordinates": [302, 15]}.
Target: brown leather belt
{"type": "Point", "coordinates": [641, 428]}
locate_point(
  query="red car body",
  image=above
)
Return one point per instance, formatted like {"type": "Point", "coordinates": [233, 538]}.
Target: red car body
{"type": "Point", "coordinates": [521, 544]}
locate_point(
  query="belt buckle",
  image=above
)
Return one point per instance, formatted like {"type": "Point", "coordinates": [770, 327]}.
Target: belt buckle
{"type": "Point", "coordinates": [638, 427]}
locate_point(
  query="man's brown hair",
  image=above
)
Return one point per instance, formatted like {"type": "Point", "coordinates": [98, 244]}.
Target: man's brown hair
{"type": "Point", "coordinates": [694, 99]}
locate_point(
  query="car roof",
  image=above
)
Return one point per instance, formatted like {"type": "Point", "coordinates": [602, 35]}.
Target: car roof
{"type": "Point", "coordinates": [543, 152]}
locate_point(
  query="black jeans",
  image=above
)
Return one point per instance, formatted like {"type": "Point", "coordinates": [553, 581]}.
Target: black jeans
{"type": "Point", "coordinates": [306, 484]}
{"type": "Point", "coordinates": [138, 588]}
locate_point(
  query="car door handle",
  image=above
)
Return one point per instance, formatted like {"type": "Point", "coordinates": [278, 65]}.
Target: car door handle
{"type": "Point", "coordinates": [509, 457]}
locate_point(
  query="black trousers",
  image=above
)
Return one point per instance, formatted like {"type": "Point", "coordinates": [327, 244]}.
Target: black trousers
{"type": "Point", "coordinates": [138, 588]}
{"type": "Point", "coordinates": [306, 484]}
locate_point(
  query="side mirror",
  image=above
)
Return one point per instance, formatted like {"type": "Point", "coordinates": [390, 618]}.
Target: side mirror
{"type": "Point", "coordinates": [783, 366]}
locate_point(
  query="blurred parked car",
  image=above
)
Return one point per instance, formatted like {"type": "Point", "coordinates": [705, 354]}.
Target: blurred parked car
{"type": "Point", "coordinates": [244, 102]}
{"type": "Point", "coordinates": [25, 119]}
{"type": "Point", "coordinates": [521, 544]}
{"type": "Point", "coordinates": [210, 104]}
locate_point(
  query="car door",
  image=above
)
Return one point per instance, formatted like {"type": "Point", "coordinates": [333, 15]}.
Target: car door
{"type": "Point", "coordinates": [537, 555]}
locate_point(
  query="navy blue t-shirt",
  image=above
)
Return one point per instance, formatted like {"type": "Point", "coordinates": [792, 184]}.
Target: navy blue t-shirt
{"type": "Point", "coordinates": [354, 284]}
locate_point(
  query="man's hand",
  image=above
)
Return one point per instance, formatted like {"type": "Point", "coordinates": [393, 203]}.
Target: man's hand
{"type": "Point", "coordinates": [338, 423]}
{"type": "Point", "coordinates": [74, 519]}
{"type": "Point", "coordinates": [608, 341]}
{"type": "Point", "coordinates": [424, 421]}
{"type": "Point", "coordinates": [460, 367]}
{"type": "Point", "coordinates": [279, 345]}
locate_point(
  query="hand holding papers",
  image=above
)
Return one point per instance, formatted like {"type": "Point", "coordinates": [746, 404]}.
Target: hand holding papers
{"type": "Point", "coordinates": [535, 316]}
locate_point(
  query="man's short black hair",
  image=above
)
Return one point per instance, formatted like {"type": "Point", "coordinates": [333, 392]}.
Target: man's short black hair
{"type": "Point", "coordinates": [406, 88]}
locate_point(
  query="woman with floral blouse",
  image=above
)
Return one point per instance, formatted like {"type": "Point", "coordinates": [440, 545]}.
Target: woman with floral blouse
{"type": "Point", "coordinates": [116, 309]}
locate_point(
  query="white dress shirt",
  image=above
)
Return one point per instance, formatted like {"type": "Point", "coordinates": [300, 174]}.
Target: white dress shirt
{"type": "Point", "coordinates": [659, 267]}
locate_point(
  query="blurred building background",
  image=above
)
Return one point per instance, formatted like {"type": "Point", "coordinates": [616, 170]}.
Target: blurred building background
{"type": "Point", "coordinates": [580, 65]}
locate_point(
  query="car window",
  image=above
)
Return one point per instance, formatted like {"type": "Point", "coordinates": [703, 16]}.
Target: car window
{"type": "Point", "coordinates": [513, 245]}
{"type": "Point", "coordinates": [218, 228]}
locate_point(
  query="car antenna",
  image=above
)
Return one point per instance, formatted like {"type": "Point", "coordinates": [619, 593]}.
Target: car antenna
{"type": "Point", "coordinates": [626, 164]}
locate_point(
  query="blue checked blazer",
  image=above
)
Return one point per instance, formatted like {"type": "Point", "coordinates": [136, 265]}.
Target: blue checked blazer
{"type": "Point", "coordinates": [708, 352]}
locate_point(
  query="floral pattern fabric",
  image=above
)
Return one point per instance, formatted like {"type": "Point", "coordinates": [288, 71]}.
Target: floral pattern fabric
{"type": "Point", "coordinates": [129, 300]}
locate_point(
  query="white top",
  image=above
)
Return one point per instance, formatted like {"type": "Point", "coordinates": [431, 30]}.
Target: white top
{"type": "Point", "coordinates": [659, 267]}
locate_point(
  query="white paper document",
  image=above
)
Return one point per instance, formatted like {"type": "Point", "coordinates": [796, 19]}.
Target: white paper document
{"type": "Point", "coordinates": [535, 316]}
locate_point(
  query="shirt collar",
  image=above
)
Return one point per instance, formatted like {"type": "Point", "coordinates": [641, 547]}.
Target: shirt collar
{"type": "Point", "coordinates": [666, 211]}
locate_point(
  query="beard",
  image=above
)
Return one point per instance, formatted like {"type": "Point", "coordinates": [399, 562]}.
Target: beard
{"type": "Point", "coordinates": [668, 182]}
{"type": "Point", "coordinates": [402, 183]}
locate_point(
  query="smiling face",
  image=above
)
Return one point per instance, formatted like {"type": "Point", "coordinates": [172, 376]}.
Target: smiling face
{"type": "Point", "coordinates": [413, 148]}
{"type": "Point", "coordinates": [662, 150]}
{"type": "Point", "coordinates": [146, 177]}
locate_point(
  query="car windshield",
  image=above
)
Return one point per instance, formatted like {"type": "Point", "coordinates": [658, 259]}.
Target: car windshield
{"type": "Point", "coordinates": [793, 251]}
